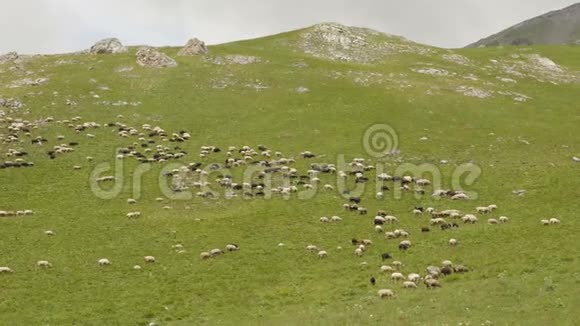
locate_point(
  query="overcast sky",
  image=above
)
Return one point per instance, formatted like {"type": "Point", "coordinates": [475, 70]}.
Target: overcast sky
{"type": "Point", "coordinates": [56, 26]}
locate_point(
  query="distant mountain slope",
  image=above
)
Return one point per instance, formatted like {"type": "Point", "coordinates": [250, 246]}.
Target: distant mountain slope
{"type": "Point", "coordinates": [555, 27]}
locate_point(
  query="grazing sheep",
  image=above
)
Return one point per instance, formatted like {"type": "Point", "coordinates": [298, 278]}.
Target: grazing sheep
{"type": "Point", "coordinates": [404, 245]}
{"type": "Point", "coordinates": [460, 269]}
{"type": "Point", "coordinates": [390, 235]}
{"type": "Point", "coordinates": [545, 222]}
{"type": "Point", "coordinates": [433, 270]}
{"type": "Point", "coordinates": [43, 263]}
{"type": "Point", "coordinates": [311, 248]}
{"type": "Point", "coordinates": [322, 254]}
{"type": "Point", "coordinates": [215, 252]}
{"type": "Point", "coordinates": [159, 199]}
{"type": "Point", "coordinates": [386, 268]}
{"type": "Point", "coordinates": [503, 219]}
{"type": "Point", "coordinates": [492, 207]}
{"type": "Point", "coordinates": [483, 210]}
{"type": "Point", "coordinates": [131, 201]}
{"type": "Point", "coordinates": [469, 219]}
{"type": "Point", "coordinates": [432, 283]}
{"type": "Point", "coordinates": [335, 219]}
{"type": "Point", "coordinates": [6, 270]}
{"type": "Point", "coordinates": [134, 214]}
{"type": "Point", "coordinates": [385, 256]}
{"type": "Point", "coordinates": [417, 212]}
{"type": "Point", "coordinates": [149, 259]}
{"type": "Point", "coordinates": [104, 262]}
{"type": "Point", "coordinates": [409, 285]}
{"type": "Point", "coordinates": [446, 270]}
{"type": "Point", "coordinates": [453, 242]}
{"type": "Point", "coordinates": [554, 221]}
{"type": "Point", "coordinates": [324, 219]}
{"type": "Point", "coordinates": [379, 229]}
{"type": "Point", "coordinates": [367, 242]}
{"type": "Point", "coordinates": [49, 233]}
{"type": "Point", "coordinates": [137, 267]}
{"type": "Point", "coordinates": [359, 252]}
{"type": "Point", "coordinates": [232, 247]}
{"type": "Point", "coordinates": [205, 255]}
{"type": "Point", "coordinates": [414, 277]}
{"type": "Point", "coordinates": [447, 263]}
{"type": "Point", "coordinates": [396, 276]}
{"type": "Point", "coordinates": [362, 247]}
{"type": "Point", "coordinates": [492, 221]}
{"type": "Point", "coordinates": [397, 264]}
{"type": "Point", "coordinates": [386, 293]}
{"type": "Point", "coordinates": [328, 188]}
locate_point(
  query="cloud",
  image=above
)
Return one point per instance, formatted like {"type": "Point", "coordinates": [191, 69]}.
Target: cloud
{"type": "Point", "coordinates": [56, 26]}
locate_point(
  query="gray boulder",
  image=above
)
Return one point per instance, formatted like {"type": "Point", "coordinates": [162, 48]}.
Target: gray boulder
{"type": "Point", "coordinates": [108, 46]}
{"type": "Point", "coordinates": [193, 47]}
{"type": "Point", "coordinates": [151, 57]}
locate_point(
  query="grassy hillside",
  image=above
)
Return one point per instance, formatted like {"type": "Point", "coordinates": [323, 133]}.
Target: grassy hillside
{"type": "Point", "coordinates": [521, 132]}
{"type": "Point", "coordinates": [555, 27]}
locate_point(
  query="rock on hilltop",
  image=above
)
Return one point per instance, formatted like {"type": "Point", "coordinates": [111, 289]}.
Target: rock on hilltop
{"type": "Point", "coordinates": [151, 57]}
{"type": "Point", "coordinates": [108, 46]}
{"type": "Point", "coordinates": [344, 43]}
{"type": "Point", "coordinates": [193, 47]}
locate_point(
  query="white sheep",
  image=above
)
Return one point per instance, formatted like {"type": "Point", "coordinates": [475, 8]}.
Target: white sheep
{"type": "Point", "coordinates": [335, 219]}
{"type": "Point", "coordinates": [545, 222]}
{"type": "Point", "coordinates": [409, 285]}
{"type": "Point", "coordinates": [43, 263]}
{"type": "Point", "coordinates": [390, 235]}
{"type": "Point", "coordinates": [391, 219]}
{"type": "Point", "coordinates": [503, 219]}
{"type": "Point", "coordinates": [324, 219]}
{"type": "Point", "coordinates": [380, 195]}
{"type": "Point", "coordinates": [362, 247]}
{"type": "Point", "coordinates": [49, 233]}
{"type": "Point", "coordinates": [386, 268]}
{"type": "Point", "coordinates": [554, 221]}
{"type": "Point", "coordinates": [492, 207]}
{"type": "Point", "coordinates": [215, 252]}
{"type": "Point", "coordinates": [104, 262]}
{"type": "Point", "coordinates": [149, 259]}
{"type": "Point", "coordinates": [483, 210]}
{"type": "Point", "coordinates": [453, 242]}
{"type": "Point", "coordinates": [322, 254]}
{"type": "Point", "coordinates": [134, 214]}
{"type": "Point", "coordinates": [396, 276]}
{"type": "Point", "coordinates": [5, 270]}
{"type": "Point", "coordinates": [417, 212]}
{"type": "Point", "coordinates": [414, 277]}
{"type": "Point", "coordinates": [359, 252]}
{"type": "Point", "coordinates": [492, 221]}
{"type": "Point", "coordinates": [397, 264]}
{"type": "Point", "coordinates": [131, 201]}
{"type": "Point", "coordinates": [447, 263]}
{"type": "Point", "coordinates": [379, 229]}
{"type": "Point", "coordinates": [328, 187]}
{"type": "Point", "coordinates": [311, 248]}
{"type": "Point", "coordinates": [137, 267]}
{"type": "Point", "coordinates": [386, 293]}
{"type": "Point", "coordinates": [205, 255]}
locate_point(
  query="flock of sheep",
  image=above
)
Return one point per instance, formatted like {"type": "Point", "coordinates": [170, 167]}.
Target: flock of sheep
{"type": "Point", "coordinates": [274, 175]}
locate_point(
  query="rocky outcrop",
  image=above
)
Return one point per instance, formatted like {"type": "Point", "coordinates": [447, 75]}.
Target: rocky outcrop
{"type": "Point", "coordinates": [151, 57]}
{"type": "Point", "coordinates": [108, 46]}
{"type": "Point", "coordinates": [9, 57]}
{"type": "Point", "coordinates": [193, 47]}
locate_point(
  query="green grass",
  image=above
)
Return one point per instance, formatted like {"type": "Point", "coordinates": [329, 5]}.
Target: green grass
{"type": "Point", "coordinates": [522, 272]}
